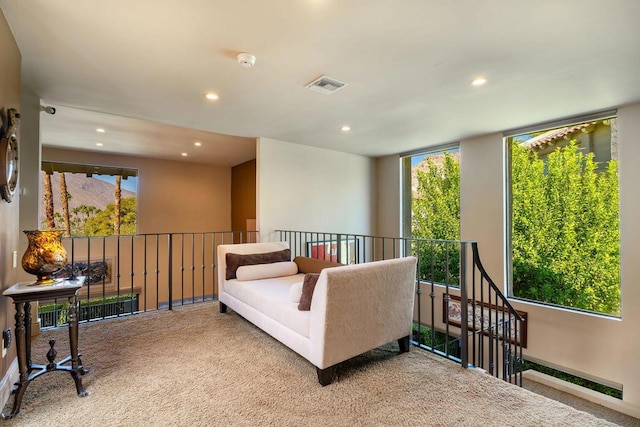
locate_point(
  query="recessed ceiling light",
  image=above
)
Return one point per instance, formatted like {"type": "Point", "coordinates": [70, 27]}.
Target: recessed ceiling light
{"type": "Point", "coordinates": [345, 128]}
{"type": "Point", "coordinates": [197, 143]}
{"type": "Point", "coordinates": [99, 144]}
{"type": "Point", "coordinates": [479, 81]}
{"type": "Point", "coordinates": [212, 96]}
{"type": "Point", "coordinates": [183, 154]}
{"type": "Point", "coordinates": [100, 130]}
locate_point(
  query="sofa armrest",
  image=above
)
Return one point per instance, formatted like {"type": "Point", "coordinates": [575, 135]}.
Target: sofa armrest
{"type": "Point", "coordinates": [360, 307]}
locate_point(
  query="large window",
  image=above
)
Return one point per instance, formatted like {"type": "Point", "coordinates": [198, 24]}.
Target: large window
{"type": "Point", "coordinates": [87, 200]}
{"type": "Point", "coordinates": [431, 210]}
{"type": "Point", "coordinates": [564, 226]}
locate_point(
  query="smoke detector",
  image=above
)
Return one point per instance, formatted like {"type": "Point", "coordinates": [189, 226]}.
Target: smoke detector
{"type": "Point", "coordinates": [247, 60]}
{"type": "Point", "coordinates": [326, 85]}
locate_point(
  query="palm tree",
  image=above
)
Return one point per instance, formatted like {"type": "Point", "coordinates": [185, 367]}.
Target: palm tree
{"type": "Point", "coordinates": [116, 207]}
{"type": "Point", "coordinates": [48, 200]}
{"type": "Point", "coordinates": [64, 198]}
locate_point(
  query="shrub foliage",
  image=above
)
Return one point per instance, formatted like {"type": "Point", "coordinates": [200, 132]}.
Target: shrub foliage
{"type": "Point", "coordinates": [565, 232]}
{"type": "Point", "coordinates": [92, 221]}
{"type": "Point", "coordinates": [436, 215]}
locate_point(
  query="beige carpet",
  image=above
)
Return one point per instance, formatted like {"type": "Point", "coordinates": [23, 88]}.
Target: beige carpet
{"type": "Point", "coordinates": [193, 366]}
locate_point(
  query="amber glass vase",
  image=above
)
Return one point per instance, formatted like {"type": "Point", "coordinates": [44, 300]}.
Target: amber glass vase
{"type": "Point", "coordinates": [45, 255]}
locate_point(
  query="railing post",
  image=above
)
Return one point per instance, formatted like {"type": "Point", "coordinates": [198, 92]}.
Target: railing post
{"type": "Point", "coordinates": [170, 270]}
{"type": "Point", "coordinates": [464, 333]}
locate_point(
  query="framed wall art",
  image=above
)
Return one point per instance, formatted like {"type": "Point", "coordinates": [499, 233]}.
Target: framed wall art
{"type": "Point", "coordinates": [9, 153]}
{"type": "Point", "coordinates": [96, 270]}
{"type": "Point", "coordinates": [484, 313]}
{"type": "Point", "coordinates": [344, 251]}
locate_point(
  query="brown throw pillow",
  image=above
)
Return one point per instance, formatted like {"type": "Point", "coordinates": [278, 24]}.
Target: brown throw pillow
{"type": "Point", "coordinates": [308, 286]}
{"type": "Point", "coordinates": [313, 265]}
{"type": "Point", "coordinates": [237, 260]}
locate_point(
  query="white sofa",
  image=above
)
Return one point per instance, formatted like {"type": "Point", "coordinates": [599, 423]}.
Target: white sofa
{"type": "Point", "coordinates": [354, 308]}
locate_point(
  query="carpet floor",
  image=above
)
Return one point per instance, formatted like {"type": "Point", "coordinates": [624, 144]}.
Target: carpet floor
{"type": "Point", "coordinates": [193, 366]}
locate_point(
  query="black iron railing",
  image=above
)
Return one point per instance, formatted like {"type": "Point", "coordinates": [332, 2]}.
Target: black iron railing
{"type": "Point", "coordinates": [486, 332]}
{"type": "Point", "coordinates": [52, 314]}
{"type": "Point", "coordinates": [498, 331]}
{"type": "Point", "coordinates": [162, 270]}
{"type": "Point", "coordinates": [168, 269]}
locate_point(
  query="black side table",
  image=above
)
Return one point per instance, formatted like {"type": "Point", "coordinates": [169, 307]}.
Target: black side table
{"type": "Point", "coordinates": [22, 295]}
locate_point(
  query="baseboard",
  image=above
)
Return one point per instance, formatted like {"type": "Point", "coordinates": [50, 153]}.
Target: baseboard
{"type": "Point", "coordinates": [7, 382]}
{"type": "Point", "coordinates": [583, 393]}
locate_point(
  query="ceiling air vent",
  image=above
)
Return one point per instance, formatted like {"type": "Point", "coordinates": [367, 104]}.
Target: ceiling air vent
{"type": "Point", "coordinates": [326, 85]}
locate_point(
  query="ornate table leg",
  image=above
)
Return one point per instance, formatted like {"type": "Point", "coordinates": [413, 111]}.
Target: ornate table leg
{"type": "Point", "coordinates": [27, 332]}
{"type": "Point", "coordinates": [21, 347]}
{"type": "Point", "coordinates": [76, 364]}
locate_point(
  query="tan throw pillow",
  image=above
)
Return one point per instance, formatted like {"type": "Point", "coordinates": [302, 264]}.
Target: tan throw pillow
{"type": "Point", "coordinates": [237, 260]}
{"type": "Point", "coordinates": [308, 286]}
{"type": "Point", "coordinates": [313, 265]}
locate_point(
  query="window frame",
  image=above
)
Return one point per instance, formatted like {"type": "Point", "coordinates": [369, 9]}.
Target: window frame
{"type": "Point", "coordinates": [508, 208]}
{"type": "Point", "coordinates": [50, 167]}
{"type": "Point", "coordinates": [405, 182]}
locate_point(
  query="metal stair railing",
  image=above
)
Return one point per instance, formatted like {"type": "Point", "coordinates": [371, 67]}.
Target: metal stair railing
{"type": "Point", "coordinates": [497, 330]}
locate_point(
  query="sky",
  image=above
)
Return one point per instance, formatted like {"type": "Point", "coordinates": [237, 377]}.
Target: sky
{"type": "Point", "coordinates": [130, 183]}
{"type": "Point", "coordinates": [420, 157]}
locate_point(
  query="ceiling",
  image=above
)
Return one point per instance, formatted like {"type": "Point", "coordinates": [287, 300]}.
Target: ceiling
{"type": "Point", "coordinates": [76, 129]}
{"type": "Point", "coordinates": [140, 70]}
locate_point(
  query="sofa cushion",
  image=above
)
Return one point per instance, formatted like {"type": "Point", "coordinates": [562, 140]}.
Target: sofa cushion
{"type": "Point", "coordinates": [308, 286]}
{"type": "Point", "coordinates": [271, 297]}
{"type": "Point", "coordinates": [266, 271]}
{"type": "Point", "coordinates": [237, 260]}
{"type": "Point", "coordinates": [295, 292]}
{"type": "Point", "coordinates": [313, 265]}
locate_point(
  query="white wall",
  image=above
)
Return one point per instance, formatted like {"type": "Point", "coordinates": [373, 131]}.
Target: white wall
{"type": "Point", "coordinates": [596, 347]}
{"type": "Point", "coordinates": [388, 183]}
{"type": "Point", "coordinates": [626, 347]}
{"type": "Point", "coordinates": [313, 189]}
{"type": "Point", "coordinates": [481, 200]}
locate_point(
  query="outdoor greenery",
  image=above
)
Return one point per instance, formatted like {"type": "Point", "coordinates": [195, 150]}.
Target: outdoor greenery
{"type": "Point", "coordinates": [436, 215]}
{"type": "Point", "coordinates": [565, 233]}
{"type": "Point", "coordinates": [91, 221]}
{"type": "Point", "coordinates": [116, 218]}
{"type": "Point", "coordinates": [61, 309]}
{"type": "Point", "coordinates": [101, 224]}
{"type": "Point", "coordinates": [436, 212]}
{"type": "Point", "coordinates": [565, 238]}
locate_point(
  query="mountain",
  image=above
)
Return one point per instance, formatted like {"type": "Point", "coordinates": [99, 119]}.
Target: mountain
{"type": "Point", "coordinates": [438, 161]}
{"type": "Point", "coordinates": [84, 190]}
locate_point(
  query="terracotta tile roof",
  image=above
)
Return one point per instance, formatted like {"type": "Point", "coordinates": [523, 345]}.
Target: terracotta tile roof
{"type": "Point", "coordinates": [554, 135]}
